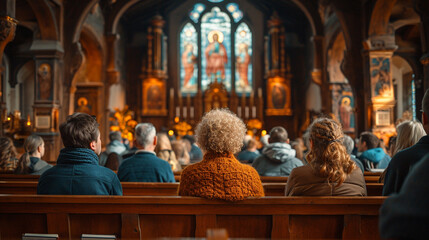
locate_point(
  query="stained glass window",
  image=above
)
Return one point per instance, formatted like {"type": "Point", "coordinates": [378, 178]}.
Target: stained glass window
{"type": "Point", "coordinates": [243, 56]}
{"type": "Point", "coordinates": [216, 48]}
{"type": "Point", "coordinates": [235, 11]}
{"type": "Point", "coordinates": [196, 12]}
{"type": "Point", "coordinates": [213, 60]}
{"type": "Point", "coordinates": [188, 59]}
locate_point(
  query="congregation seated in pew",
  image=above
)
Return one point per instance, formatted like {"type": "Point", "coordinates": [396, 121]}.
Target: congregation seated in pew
{"type": "Point", "coordinates": [220, 175]}
{"type": "Point", "coordinates": [144, 165]}
{"type": "Point", "coordinates": [330, 171]}
{"type": "Point", "coordinates": [8, 157]}
{"type": "Point", "coordinates": [31, 162]}
{"type": "Point", "coordinates": [77, 171]}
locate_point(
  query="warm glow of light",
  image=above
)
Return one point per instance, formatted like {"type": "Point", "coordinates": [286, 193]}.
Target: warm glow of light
{"type": "Point", "coordinates": [28, 123]}
{"type": "Point", "coordinates": [176, 119]}
{"type": "Point", "coordinates": [170, 133]}
{"type": "Point", "coordinates": [263, 133]}
{"type": "Point", "coordinates": [8, 118]}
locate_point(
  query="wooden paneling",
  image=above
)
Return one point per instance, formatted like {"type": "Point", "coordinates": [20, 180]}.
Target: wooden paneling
{"type": "Point", "coordinates": [129, 217]}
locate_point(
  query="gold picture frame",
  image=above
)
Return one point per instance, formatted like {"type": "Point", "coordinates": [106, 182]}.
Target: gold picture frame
{"type": "Point", "coordinates": [154, 97]}
{"type": "Point", "coordinates": [278, 97]}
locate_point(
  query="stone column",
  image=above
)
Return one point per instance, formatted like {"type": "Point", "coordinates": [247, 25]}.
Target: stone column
{"type": "Point", "coordinates": [7, 34]}
{"type": "Point", "coordinates": [48, 57]}
{"type": "Point", "coordinates": [379, 51]}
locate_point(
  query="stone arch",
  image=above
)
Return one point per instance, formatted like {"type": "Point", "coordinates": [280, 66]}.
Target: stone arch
{"type": "Point", "coordinates": [380, 17]}
{"type": "Point", "coordinates": [119, 8]}
{"type": "Point", "coordinates": [313, 17]}
{"type": "Point", "coordinates": [82, 11]}
{"type": "Point", "coordinates": [46, 19]}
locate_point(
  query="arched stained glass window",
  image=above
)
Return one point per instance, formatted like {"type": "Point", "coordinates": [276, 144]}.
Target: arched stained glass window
{"type": "Point", "coordinates": [209, 46]}
{"type": "Point", "coordinates": [216, 48]}
{"type": "Point", "coordinates": [235, 11]}
{"type": "Point", "coordinates": [188, 59]}
{"type": "Point", "coordinates": [243, 56]}
{"type": "Point", "coordinates": [196, 12]}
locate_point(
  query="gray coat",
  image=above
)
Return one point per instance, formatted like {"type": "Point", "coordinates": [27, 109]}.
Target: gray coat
{"type": "Point", "coordinates": [277, 159]}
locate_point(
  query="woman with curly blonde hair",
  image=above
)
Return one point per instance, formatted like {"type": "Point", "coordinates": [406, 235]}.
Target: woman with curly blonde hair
{"type": "Point", "coordinates": [220, 175]}
{"type": "Point", "coordinates": [8, 160]}
{"type": "Point", "coordinates": [330, 171]}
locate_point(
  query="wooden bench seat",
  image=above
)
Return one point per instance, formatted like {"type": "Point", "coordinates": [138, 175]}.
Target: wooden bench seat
{"type": "Point", "coordinates": [158, 189]}
{"type": "Point", "coordinates": [136, 217]}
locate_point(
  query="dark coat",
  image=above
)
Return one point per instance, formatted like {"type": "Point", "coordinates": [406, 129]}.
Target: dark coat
{"type": "Point", "coordinates": [402, 163]}
{"type": "Point", "coordinates": [405, 215]}
{"type": "Point", "coordinates": [77, 173]}
{"type": "Point", "coordinates": [145, 167]}
{"type": "Point", "coordinates": [38, 166]}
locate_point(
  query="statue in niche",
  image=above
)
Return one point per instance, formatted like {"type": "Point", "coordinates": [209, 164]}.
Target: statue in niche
{"type": "Point", "coordinates": [243, 61]}
{"type": "Point", "coordinates": [216, 56]}
{"type": "Point", "coordinates": [345, 112]}
{"type": "Point", "coordinates": [154, 98]}
{"type": "Point", "coordinates": [188, 61]}
{"type": "Point", "coordinates": [45, 81]}
{"type": "Point", "coordinates": [278, 96]}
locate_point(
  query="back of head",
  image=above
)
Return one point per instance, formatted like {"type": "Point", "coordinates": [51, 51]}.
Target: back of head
{"type": "Point", "coordinates": [144, 134]}
{"type": "Point", "coordinates": [252, 144]}
{"type": "Point", "coordinates": [278, 134]}
{"type": "Point", "coordinates": [370, 139]}
{"type": "Point", "coordinates": [179, 148]}
{"type": "Point", "coordinates": [31, 145]}
{"type": "Point", "coordinates": [220, 131]}
{"type": "Point", "coordinates": [79, 130]}
{"type": "Point", "coordinates": [348, 143]}
{"type": "Point", "coordinates": [7, 151]}
{"type": "Point", "coordinates": [409, 133]}
{"type": "Point", "coordinates": [328, 156]}
{"type": "Point", "coordinates": [264, 139]}
{"type": "Point", "coordinates": [163, 142]}
{"type": "Point", "coordinates": [116, 135]}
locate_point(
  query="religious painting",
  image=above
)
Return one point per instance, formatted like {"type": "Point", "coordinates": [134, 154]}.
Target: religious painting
{"type": "Point", "coordinates": [154, 100]}
{"type": "Point", "coordinates": [278, 97]}
{"type": "Point", "coordinates": [86, 99]}
{"type": "Point", "coordinates": [243, 63]}
{"type": "Point", "coordinates": [44, 82]}
{"type": "Point", "coordinates": [188, 66]}
{"type": "Point", "coordinates": [216, 48]}
{"type": "Point", "coordinates": [381, 82]}
{"type": "Point", "coordinates": [343, 105]}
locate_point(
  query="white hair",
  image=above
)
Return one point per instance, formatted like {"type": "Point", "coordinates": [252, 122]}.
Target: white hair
{"type": "Point", "coordinates": [145, 133]}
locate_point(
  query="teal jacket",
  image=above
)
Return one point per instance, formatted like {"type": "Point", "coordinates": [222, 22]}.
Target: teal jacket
{"type": "Point", "coordinates": [376, 156]}
{"type": "Point", "coordinates": [77, 173]}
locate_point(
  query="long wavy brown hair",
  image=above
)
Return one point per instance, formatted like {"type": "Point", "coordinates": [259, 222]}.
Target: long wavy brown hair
{"type": "Point", "coordinates": [328, 156]}
{"type": "Point", "coordinates": [7, 151]}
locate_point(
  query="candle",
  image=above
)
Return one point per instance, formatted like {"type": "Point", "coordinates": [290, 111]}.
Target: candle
{"type": "Point", "coordinates": [253, 112]}
{"type": "Point", "coordinates": [192, 112]}
{"type": "Point", "coordinates": [177, 112]}
{"type": "Point", "coordinates": [185, 113]}
{"type": "Point", "coordinates": [239, 111]}
{"type": "Point", "coordinates": [246, 111]}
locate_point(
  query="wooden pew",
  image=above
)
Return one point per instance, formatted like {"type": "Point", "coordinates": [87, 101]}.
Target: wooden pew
{"type": "Point", "coordinates": [182, 217]}
{"type": "Point", "coordinates": [159, 189]}
{"type": "Point", "coordinates": [264, 179]}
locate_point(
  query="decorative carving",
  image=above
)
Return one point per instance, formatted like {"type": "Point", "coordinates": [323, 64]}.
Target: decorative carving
{"type": "Point", "coordinates": [7, 26]}
{"type": "Point", "coordinates": [216, 96]}
{"type": "Point", "coordinates": [425, 59]}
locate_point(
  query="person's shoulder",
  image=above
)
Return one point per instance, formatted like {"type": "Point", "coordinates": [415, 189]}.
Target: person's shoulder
{"type": "Point", "coordinates": [305, 169]}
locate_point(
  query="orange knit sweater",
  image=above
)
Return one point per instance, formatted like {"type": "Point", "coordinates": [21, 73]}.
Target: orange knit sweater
{"type": "Point", "coordinates": [220, 176]}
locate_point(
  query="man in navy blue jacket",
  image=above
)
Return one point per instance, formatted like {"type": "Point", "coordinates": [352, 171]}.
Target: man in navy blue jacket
{"type": "Point", "coordinates": [144, 165]}
{"type": "Point", "coordinates": [77, 171]}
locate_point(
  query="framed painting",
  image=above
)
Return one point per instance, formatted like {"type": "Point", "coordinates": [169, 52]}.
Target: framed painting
{"type": "Point", "coordinates": [278, 97]}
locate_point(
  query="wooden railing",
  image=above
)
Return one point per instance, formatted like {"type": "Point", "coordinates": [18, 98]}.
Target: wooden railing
{"type": "Point", "coordinates": [132, 217]}
{"type": "Point", "coordinates": [159, 189]}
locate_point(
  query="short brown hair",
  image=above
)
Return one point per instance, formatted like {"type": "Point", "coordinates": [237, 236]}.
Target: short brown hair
{"type": "Point", "coordinates": [278, 134]}
{"type": "Point", "coordinates": [79, 130]}
{"type": "Point", "coordinates": [370, 139]}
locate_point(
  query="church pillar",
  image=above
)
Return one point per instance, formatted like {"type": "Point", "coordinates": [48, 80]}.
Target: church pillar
{"type": "Point", "coordinates": [154, 74]}
{"type": "Point", "coordinates": [112, 71]}
{"type": "Point", "coordinates": [7, 34]}
{"type": "Point", "coordinates": [48, 57]}
{"type": "Point", "coordinates": [379, 52]}
{"type": "Point", "coordinates": [277, 70]}
{"type": "Point", "coordinates": [422, 8]}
